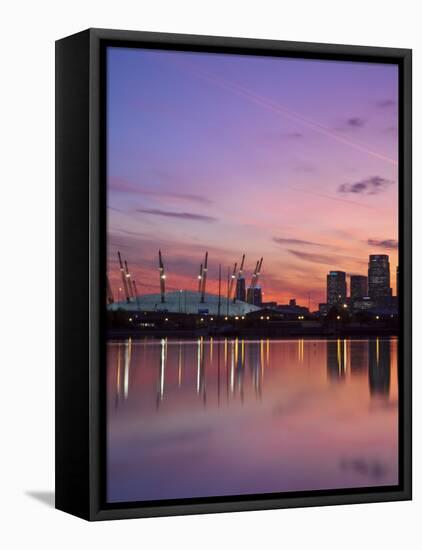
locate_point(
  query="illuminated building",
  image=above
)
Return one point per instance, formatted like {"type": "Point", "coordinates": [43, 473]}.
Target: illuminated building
{"type": "Point", "coordinates": [358, 287]}
{"type": "Point", "coordinates": [379, 276]}
{"type": "Point", "coordinates": [336, 287]}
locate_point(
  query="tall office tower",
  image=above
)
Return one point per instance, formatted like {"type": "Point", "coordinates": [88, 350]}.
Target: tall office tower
{"type": "Point", "coordinates": [397, 281]}
{"type": "Point", "coordinates": [336, 287]}
{"type": "Point", "coordinates": [379, 276]}
{"type": "Point", "coordinates": [254, 296]}
{"type": "Point", "coordinates": [241, 289]}
{"type": "Point", "coordinates": [358, 287]}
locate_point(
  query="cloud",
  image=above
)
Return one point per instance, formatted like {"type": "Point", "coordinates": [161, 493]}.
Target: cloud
{"type": "Point", "coordinates": [309, 191]}
{"type": "Point", "coordinates": [388, 244]}
{"type": "Point", "coordinates": [281, 240]}
{"type": "Point", "coordinates": [314, 258]}
{"type": "Point", "coordinates": [326, 259]}
{"type": "Point", "coordinates": [150, 243]}
{"type": "Point", "coordinates": [179, 215]}
{"type": "Point", "coordinates": [181, 260]}
{"type": "Point", "coordinates": [384, 103]}
{"type": "Point", "coordinates": [123, 186]}
{"type": "Point", "coordinates": [369, 186]}
{"type": "Point", "coordinates": [293, 135]}
{"type": "Point", "coordinates": [355, 122]}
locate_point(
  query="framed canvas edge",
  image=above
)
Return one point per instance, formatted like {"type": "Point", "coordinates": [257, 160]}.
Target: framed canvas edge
{"type": "Point", "coordinates": [96, 138]}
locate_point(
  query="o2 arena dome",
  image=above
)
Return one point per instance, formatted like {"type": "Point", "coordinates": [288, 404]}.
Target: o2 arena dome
{"type": "Point", "coordinates": [184, 301]}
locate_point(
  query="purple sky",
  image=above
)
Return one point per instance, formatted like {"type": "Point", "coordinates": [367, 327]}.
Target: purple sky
{"type": "Point", "coordinates": [294, 160]}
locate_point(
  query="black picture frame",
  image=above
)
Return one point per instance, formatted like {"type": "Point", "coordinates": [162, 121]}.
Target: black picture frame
{"type": "Point", "coordinates": [80, 272]}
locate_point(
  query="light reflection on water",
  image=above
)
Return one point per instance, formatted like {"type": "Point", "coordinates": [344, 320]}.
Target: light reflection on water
{"type": "Point", "coordinates": [196, 418]}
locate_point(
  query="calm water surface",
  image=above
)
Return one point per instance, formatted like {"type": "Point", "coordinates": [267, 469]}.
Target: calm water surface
{"type": "Point", "coordinates": [195, 418]}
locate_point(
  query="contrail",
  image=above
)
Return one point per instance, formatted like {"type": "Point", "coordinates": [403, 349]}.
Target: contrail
{"type": "Point", "coordinates": [284, 111]}
{"type": "Point", "coordinates": [330, 197]}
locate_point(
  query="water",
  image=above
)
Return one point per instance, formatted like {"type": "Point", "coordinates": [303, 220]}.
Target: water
{"type": "Point", "coordinates": [230, 417]}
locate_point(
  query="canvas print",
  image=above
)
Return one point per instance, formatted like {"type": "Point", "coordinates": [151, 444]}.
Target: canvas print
{"type": "Point", "coordinates": [252, 298]}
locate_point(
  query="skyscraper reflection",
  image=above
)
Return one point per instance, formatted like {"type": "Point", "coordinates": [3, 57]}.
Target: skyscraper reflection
{"type": "Point", "coordinates": [379, 367]}
{"type": "Point", "coordinates": [336, 359]}
{"type": "Point", "coordinates": [162, 371]}
{"type": "Point", "coordinates": [254, 359]}
{"type": "Point", "coordinates": [118, 375]}
{"type": "Point", "coordinates": [128, 357]}
{"type": "Point", "coordinates": [358, 356]}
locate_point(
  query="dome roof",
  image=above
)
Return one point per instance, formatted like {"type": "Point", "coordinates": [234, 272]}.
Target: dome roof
{"type": "Point", "coordinates": [184, 301]}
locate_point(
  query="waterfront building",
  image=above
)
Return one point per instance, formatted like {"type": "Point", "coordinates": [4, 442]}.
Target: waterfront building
{"type": "Point", "coordinates": [184, 301]}
{"type": "Point", "coordinates": [254, 296]}
{"type": "Point", "coordinates": [323, 309]}
{"type": "Point", "coordinates": [336, 288]}
{"type": "Point", "coordinates": [292, 311]}
{"type": "Point", "coordinates": [358, 287]}
{"type": "Point", "coordinates": [269, 305]}
{"type": "Point", "coordinates": [363, 304]}
{"type": "Point", "coordinates": [379, 277]}
{"type": "Point", "coordinates": [241, 289]}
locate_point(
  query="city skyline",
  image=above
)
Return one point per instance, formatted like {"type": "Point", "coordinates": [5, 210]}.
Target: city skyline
{"type": "Point", "coordinates": [240, 155]}
{"type": "Point", "coordinates": [341, 287]}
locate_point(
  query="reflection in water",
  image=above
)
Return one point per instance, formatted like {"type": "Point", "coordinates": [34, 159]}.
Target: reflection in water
{"type": "Point", "coordinates": [162, 371]}
{"type": "Point", "coordinates": [358, 356]}
{"type": "Point", "coordinates": [379, 367]}
{"type": "Point", "coordinates": [236, 416]}
{"type": "Point", "coordinates": [180, 363]}
{"type": "Point", "coordinates": [336, 359]}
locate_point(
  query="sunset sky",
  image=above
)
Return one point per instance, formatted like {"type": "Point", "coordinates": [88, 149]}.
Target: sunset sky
{"type": "Point", "coordinates": [293, 160]}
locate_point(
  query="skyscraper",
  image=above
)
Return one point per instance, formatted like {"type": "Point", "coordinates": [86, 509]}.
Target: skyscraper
{"type": "Point", "coordinates": [241, 289]}
{"type": "Point", "coordinates": [254, 296]}
{"type": "Point", "coordinates": [358, 287]}
{"type": "Point", "coordinates": [336, 287]}
{"type": "Point", "coordinates": [397, 280]}
{"type": "Point", "coordinates": [379, 276]}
